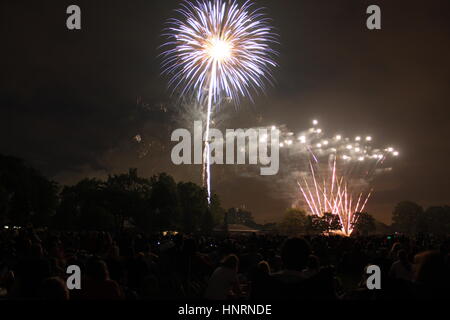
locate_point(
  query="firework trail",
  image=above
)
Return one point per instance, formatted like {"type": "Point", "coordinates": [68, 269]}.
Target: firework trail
{"type": "Point", "coordinates": [331, 174]}
{"type": "Point", "coordinates": [338, 172]}
{"type": "Point", "coordinates": [218, 49]}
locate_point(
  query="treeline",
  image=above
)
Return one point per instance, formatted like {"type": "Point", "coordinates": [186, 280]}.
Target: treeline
{"type": "Point", "coordinates": [407, 218]}
{"type": "Point", "coordinates": [125, 200]}
{"type": "Point", "coordinates": [410, 218]}
{"type": "Point", "coordinates": [296, 221]}
{"type": "Point", "coordinates": [160, 204]}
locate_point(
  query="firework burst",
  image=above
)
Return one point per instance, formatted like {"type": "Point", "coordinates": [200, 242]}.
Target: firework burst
{"type": "Point", "coordinates": [218, 49]}
{"type": "Point", "coordinates": [338, 171]}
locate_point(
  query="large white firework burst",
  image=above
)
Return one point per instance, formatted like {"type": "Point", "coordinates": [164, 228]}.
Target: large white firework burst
{"type": "Point", "coordinates": [221, 45]}
{"type": "Point", "coordinates": [218, 49]}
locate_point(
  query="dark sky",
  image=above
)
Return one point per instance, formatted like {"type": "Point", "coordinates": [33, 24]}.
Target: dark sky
{"type": "Point", "coordinates": [71, 102]}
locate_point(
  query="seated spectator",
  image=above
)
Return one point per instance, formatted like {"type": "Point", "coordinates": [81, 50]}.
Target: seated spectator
{"type": "Point", "coordinates": [97, 284]}
{"type": "Point", "coordinates": [293, 283]}
{"type": "Point", "coordinates": [313, 266]}
{"type": "Point", "coordinates": [402, 268]}
{"type": "Point", "coordinates": [224, 282]}
{"type": "Point", "coordinates": [54, 289]}
{"type": "Point", "coordinates": [294, 254]}
{"type": "Point", "coordinates": [431, 276]}
{"type": "Point", "coordinates": [30, 273]}
{"type": "Point", "coordinates": [260, 278]}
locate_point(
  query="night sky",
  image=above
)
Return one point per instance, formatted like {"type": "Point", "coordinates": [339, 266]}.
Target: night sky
{"type": "Point", "coordinates": [72, 101]}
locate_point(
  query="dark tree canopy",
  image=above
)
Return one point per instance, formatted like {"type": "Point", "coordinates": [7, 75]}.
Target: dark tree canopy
{"type": "Point", "coordinates": [364, 223]}
{"type": "Point", "coordinates": [25, 195]}
{"type": "Point", "coordinates": [406, 216]}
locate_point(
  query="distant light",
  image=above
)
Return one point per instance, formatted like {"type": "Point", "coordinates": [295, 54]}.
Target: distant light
{"type": "Point", "coordinates": [349, 147]}
{"type": "Point", "coordinates": [361, 159]}
{"type": "Point", "coordinates": [358, 139]}
{"type": "Point", "coordinates": [6, 227]}
{"type": "Point", "coordinates": [281, 145]}
{"type": "Point", "coordinates": [325, 142]}
{"type": "Point", "coordinates": [319, 145]}
{"type": "Point", "coordinates": [357, 149]}
{"type": "Point", "coordinates": [319, 131]}
{"type": "Point", "coordinates": [338, 137]}
{"type": "Point", "coordinates": [289, 142]}
{"type": "Point", "coordinates": [391, 149]}
{"type": "Point", "coordinates": [274, 128]}
{"type": "Point", "coordinates": [396, 154]}
{"type": "Point", "coordinates": [315, 122]}
{"type": "Point", "coordinates": [368, 139]}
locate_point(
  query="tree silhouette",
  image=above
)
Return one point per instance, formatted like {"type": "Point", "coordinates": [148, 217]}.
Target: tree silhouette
{"type": "Point", "coordinates": [363, 223]}
{"type": "Point", "coordinates": [294, 222]}
{"type": "Point", "coordinates": [26, 196]}
{"type": "Point", "coordinates": [164, 202]}
{"type": "Point", "coordinates": [126, 196]}
{"type": "Point", "coordinates": [435, 220]}
{"type": "Point", "coordinates": [406, 216]}
{"type": "Point", "coordinates": [331, 222]}
{"type": "Point", "coordinates": [194, 206]}
{"type": "Point", "coordinates": [83, 206]}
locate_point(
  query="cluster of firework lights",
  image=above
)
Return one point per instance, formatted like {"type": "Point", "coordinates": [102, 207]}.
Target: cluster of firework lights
{"type": "Point", "coordinates": [218, 50]}
{"type": "Point", "coordinates": [339, 171]}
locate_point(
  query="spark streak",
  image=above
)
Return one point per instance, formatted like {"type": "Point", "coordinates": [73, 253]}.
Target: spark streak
{"type": "Point", "coordinates": [218, 49]}
{"type": "Point", "coordinates": [339, 185]}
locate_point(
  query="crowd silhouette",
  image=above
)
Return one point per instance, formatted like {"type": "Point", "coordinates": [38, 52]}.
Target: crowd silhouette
{"type": "Point", "coordinates": [131, 266]}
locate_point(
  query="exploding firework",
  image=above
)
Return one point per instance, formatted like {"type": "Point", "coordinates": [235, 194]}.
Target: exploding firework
{"type": "Point", "coordinates": [218, 49]}
{"type": "Point", "coordinates": [337, 172]}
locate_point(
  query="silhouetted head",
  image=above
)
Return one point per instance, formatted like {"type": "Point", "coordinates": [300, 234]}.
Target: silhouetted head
{"type": "Point", "coordinates": [96, 269]}
{"type": "Point", "coordinates": [430, 268]}
{"type": "Point", "coordinates": [54, 289]}
{"type": "Point", "coordinates": [294, 253]}
{"type": "Point", "coordinates": [190, 246]}
{"type": "Point", "coordinates": [313, 262]}
{"type": "Point", "coordinates": [36, 250]}
{"type": "Point", "coordinates": [264, 267]}
{"type": "Point", "coordinates": [231, 261]}
{"type": "Point", "coordinates": [445, 247]}
{"type": "Point", "coordinates": [402, 255]}
{"type": "Point", "coordinates": [395, 248]}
